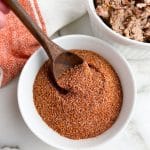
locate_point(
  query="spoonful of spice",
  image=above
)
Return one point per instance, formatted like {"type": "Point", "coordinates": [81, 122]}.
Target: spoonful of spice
{"type": "Point", "coordinates": [61, 59]}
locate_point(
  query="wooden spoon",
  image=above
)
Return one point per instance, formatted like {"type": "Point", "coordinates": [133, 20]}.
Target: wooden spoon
{"type": "Point", "coordinates": [61, 59]}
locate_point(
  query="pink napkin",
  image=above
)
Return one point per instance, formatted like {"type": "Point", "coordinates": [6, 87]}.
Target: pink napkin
{"type": "Point", "coordinates": [16, 43]}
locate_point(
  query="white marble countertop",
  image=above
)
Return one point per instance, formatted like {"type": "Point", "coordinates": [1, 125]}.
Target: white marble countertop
{"type": "Point", "coordinates": [15, 134]}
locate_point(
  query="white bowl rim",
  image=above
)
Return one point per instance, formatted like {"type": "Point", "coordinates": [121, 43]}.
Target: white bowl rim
{"type": "Point", "coordinates": [108, 29]}
{"type": "Point", "coordinates": [129, 113]}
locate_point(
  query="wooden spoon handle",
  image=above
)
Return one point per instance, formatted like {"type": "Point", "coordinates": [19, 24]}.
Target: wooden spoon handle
{"type": "Point", "coordinates": [52, 49]}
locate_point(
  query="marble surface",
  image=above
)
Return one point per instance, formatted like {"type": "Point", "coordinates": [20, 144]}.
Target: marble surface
{"type": "Point", "coordinates": [14, 134]}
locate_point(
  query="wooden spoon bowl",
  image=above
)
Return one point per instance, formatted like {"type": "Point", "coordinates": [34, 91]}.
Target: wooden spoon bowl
{"type": "Point", "coordinates": [61, 59]}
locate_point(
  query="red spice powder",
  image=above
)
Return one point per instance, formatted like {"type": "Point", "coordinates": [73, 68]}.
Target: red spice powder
{"type": "Point", "coordinates": [93, 101]}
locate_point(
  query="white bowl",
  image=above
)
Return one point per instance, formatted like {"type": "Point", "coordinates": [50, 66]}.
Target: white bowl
{"type": "Point", "coordinates": [101, 30]}
{"type": "Point", "coordinates": [39, 127]}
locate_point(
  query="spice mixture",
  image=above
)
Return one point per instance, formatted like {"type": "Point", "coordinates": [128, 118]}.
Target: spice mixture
{"type": "Point", "coordinates": [92, 103]}
{"type": "Point", "coordinates": [130, 18]}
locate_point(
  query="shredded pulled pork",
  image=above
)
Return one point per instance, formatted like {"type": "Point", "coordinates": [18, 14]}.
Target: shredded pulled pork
{"type": "Point", "coordinates": [130, 18]}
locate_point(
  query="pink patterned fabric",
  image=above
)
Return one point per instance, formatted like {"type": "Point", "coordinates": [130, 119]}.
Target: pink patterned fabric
{"type": "Point", "coordinates": [16, 44]}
